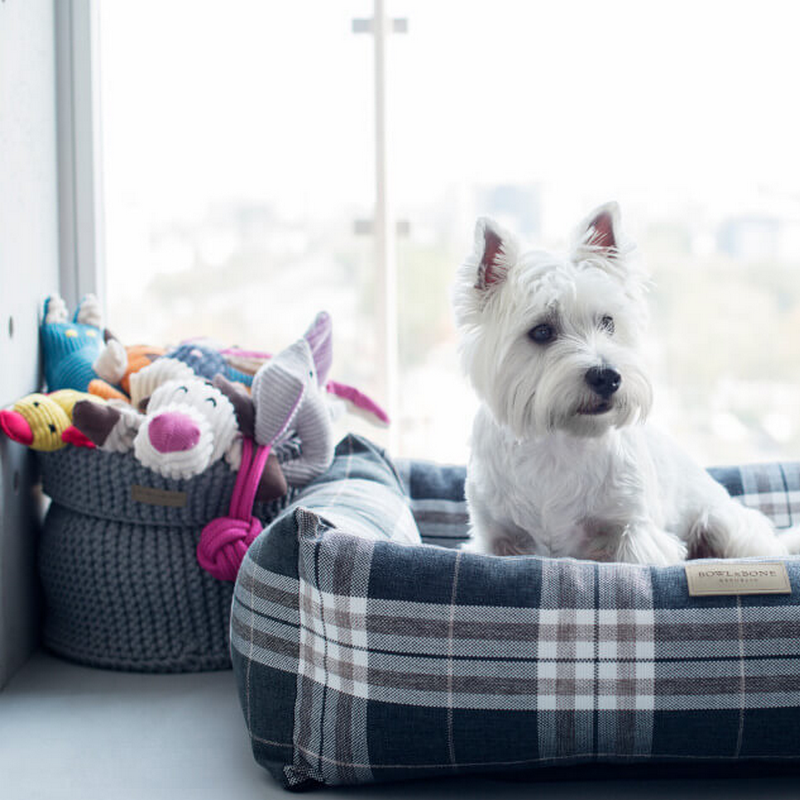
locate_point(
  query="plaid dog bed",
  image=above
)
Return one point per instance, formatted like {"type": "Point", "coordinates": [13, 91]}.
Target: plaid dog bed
{"type": "Point", "coordinates": [368, 658]}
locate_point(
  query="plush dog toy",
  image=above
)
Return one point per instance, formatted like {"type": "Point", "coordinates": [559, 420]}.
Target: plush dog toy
{"type": "Point", "coordinates": [44, 421]}
{"type": "Point", "coordinates": [188, 425]}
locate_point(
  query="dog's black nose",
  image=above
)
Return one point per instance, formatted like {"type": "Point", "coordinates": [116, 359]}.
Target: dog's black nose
{"type": "Point", "coordinates": [603, 380]}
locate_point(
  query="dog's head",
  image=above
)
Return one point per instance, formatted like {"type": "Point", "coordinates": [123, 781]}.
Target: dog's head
{"type": "Point", "coordinates": [188, 426]}
{"type": "Point", "coordinates": [550, 342]}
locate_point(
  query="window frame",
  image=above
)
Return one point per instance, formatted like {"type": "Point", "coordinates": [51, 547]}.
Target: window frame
{"type": "Point", "coordinates": [80, 173]}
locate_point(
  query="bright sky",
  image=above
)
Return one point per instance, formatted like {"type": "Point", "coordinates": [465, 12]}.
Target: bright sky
{"type": "Point", "coordinates": [682, 111]}
{"type": "Point", "coordinates": [205, 102]}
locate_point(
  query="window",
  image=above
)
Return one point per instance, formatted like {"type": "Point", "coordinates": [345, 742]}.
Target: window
{"type": "Point", "coordinates": [239, 166]}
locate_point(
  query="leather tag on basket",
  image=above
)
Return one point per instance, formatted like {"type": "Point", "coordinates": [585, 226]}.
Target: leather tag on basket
{"type": "Point", "coordinates": [157, 497]}
{"type": "Point", "coordinates": [709, 578]}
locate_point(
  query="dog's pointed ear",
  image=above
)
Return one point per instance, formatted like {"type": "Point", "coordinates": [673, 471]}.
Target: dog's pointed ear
{"type": "Point", "coordinates": [496, 250]}
{"type": "Point", "coordinates": [600, 234]}
{"type": "Point", "coordinates": [483, 271]}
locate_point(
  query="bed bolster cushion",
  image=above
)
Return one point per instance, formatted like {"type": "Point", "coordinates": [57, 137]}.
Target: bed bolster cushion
{"type": "Point", "coordinates": [362, 656]}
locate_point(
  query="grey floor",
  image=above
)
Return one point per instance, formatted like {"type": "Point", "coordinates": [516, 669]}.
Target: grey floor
{"type": "Point", "coordinates": [72, 732]}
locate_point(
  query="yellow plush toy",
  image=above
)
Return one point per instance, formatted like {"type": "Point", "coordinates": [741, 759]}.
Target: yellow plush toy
{"type": "Point", "coordinates": [44, 421]}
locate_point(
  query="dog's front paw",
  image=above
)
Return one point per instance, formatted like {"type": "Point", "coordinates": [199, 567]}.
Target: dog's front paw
{"type": "Point", "coordinates": [649, 545]}
{"type": "Point", "coordinates": [671, 551]}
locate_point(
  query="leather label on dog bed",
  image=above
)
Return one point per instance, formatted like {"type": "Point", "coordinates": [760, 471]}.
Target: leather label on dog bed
{"type": "Point", "coordinates": [157, 497]}
{"type": "Point", "coordinates": [732, 577]}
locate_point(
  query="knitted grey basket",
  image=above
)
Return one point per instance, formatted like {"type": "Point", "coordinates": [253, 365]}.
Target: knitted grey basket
{"type": "Point", "coordinates": [118, 565]}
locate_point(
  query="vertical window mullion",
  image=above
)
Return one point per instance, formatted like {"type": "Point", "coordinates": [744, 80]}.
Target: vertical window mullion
{"type": "Point", "coordinates": [384, 229]}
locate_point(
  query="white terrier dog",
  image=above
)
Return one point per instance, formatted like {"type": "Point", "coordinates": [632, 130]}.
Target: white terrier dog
{"type": "Point", "coordinates": [561, 463]}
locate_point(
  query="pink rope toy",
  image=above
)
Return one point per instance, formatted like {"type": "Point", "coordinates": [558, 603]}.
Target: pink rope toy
{"type": "Point", "coordinates": [224, 541]}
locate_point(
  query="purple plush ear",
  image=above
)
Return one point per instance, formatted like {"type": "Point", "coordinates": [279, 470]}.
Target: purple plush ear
{"type": "Point", "coordinates": [359, 403]}
{"type": "Point", "coordinates": [320, 338]}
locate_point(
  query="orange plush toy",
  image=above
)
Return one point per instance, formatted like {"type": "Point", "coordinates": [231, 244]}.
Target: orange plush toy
{"type": "Point", "coordinates": [116, 364]}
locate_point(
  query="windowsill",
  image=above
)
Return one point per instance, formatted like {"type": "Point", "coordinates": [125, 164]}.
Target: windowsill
{"type": "Point", "coordinates": [72, 732]}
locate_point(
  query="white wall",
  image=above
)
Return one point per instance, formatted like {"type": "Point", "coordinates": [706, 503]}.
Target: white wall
{"type": "Point", "coordinates": [29, 270]}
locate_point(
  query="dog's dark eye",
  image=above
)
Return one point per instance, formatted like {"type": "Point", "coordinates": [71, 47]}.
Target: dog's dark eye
{"type": "Point", "coordinates": [542, 334]}
{"type": "Point", "coordinates": [607, 324]}
{"type": "Point", "coordinates": [212, 401]}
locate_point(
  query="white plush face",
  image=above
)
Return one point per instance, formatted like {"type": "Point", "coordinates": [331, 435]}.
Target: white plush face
{"type": "Point", "coordinates": [188, 426]}
{"type": "Point", "coordinates": [552, 343]}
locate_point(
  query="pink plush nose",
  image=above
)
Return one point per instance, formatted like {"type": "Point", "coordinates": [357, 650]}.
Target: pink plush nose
{"type": "Point", "coordinates": [172, 432]}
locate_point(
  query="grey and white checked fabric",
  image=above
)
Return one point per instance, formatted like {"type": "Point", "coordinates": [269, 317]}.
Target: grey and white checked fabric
{"type": "Point", "coordinates": [436, 498]}
{"type": "Point", "coordinates": [773, 489]}
{"type": "Point", "coordinates": [361, 659]}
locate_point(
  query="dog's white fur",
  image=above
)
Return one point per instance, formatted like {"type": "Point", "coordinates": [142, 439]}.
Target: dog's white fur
{"type": "Point", "coordinates": [557, 468]}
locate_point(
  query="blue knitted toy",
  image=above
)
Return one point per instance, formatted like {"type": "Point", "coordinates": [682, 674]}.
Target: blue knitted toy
{"type": "Point", "coordinates": [70, 348]}
{"type": "Point", "coordinates": [207, 362]}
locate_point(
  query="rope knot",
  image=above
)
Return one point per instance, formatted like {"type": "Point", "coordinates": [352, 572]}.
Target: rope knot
{"type": "Point", "coordinates": [223, 544]}
{"type": "Point", "coordinates": [224, 541]}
